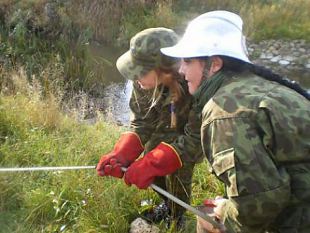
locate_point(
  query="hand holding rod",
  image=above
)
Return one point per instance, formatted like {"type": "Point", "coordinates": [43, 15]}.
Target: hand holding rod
{"type": "Point", "coordinates": [183, 204]}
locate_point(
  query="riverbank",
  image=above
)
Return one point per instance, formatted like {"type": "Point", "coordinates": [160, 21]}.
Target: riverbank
{"type": "Point", "coordinates": [290, 58]}
{"type": "Point", "coordinates": [40, 33]}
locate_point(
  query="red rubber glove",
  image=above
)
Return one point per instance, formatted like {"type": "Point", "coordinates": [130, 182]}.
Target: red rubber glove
{"type": "Point", "coordinates": [161, 161]}
{"type": "Point", "coordinates": [125, 151]}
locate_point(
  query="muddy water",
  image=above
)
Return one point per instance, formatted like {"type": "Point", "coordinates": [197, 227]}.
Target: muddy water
{"type": "Point", "coordinates": [103, 60]}
{"type": "Point", "coordinates": [114, 99]}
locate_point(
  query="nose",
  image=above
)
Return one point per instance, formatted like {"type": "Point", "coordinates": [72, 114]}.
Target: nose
{"type": "Point", "coordinates": [181, 68]}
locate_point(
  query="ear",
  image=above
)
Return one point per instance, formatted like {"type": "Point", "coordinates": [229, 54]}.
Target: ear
{"type": "Point", "coordinates": [217, 64]}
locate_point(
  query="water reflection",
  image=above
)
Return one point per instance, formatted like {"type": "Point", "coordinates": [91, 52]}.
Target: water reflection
{"type": "Point", "coordinates": [103, 63]}
{"type": "Point", "coordinates": [116, 102]}
{"type": "Point", "coordinates": [117, 90]}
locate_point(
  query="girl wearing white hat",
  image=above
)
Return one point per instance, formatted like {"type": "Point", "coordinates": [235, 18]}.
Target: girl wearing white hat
{"type": "Point", "coordinates": [254, 132]}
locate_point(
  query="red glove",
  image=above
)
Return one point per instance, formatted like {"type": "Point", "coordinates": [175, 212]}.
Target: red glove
{"type": "Point", "coordinates": [125, 151]}
{"type": "Point", "coordinates": [161, 161]}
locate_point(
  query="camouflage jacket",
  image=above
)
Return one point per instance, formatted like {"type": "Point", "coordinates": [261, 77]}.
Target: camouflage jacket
{"type": "Point", "coordinates": [151, 119]}
{"type": "Point", "coordinates": [255, 134]}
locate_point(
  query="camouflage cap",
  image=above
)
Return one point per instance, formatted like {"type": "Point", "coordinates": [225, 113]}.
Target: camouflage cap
{"type": "Point", "coordinates": [144, 53]}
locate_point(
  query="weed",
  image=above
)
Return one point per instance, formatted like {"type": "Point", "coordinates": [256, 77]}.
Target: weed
{"type": "Point", "coordinates": [34, 132]}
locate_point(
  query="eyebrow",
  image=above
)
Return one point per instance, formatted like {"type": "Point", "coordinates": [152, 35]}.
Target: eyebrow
{"type": "Point", "coordinates": [188, 59]}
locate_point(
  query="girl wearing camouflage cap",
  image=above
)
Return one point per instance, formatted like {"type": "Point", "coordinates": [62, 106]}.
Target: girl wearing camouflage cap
{"type": "Point", "coordinates": [161, 105]}
{"type": "Point", "coordinates": [254, 132]}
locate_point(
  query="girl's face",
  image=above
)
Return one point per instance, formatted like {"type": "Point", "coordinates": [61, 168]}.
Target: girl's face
{"type": "Point", "coordinates": [148, 81]}
{"type": "Point", "coordinates": [192, 69]}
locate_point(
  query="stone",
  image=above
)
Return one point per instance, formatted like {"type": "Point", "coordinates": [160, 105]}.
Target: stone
{"type": "Point", "coordinates": [288, 58]}
{"type": "Point", "coordinates": [284, 62]}
{"type": "Point", "coordinates": [275, 59]}
{"type": "Point", "coordinates": [263, 56]}
{"type": "Point", "coordinates": [139, 225]}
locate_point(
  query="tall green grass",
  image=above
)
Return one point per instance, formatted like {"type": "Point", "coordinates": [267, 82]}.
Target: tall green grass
{"type": "Point", "coordinates": [34, 39]}
{"type": "Point", "coordinates": [281, 19]}
{"type": "Point", "coordinates": [37, 33]}
{"type": "Point", "coordinates": [35, 132]}
{"type": "Point", "coordinates": [268, 19]}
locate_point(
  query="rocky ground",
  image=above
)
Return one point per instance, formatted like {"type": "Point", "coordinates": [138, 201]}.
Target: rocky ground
{"type": "Point", "coordinates": [285, 57]}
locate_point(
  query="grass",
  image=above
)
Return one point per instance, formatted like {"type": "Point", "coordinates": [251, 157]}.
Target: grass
{"type": "Point", "coordinates": [35, 132]}
{"type": "Point", "coordinates": [37, 33]}
{"type": "Point", "coordinates": [270, 19]}
{"type": "Point", "coordinates": [286, 19]}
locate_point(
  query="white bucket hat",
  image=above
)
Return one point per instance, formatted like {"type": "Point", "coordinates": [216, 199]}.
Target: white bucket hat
{"type": "Point", "coordinates": [212, 33]}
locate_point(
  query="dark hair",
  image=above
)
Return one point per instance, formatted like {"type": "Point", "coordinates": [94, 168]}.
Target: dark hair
{"type": "Point", "coordinates": [236, 65]}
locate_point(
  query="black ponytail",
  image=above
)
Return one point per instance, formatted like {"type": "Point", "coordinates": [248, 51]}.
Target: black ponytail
{"type": "Point", "coordinates": [240, 66]}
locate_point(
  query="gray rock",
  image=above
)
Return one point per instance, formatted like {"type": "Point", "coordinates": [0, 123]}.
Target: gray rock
{"type": "Point", "coordinates": [289, 58]}
{"type": "Point", "coordinates": [139, 225]}
{"type": "Point", "coordinates": [263, 56]}
{"type": "Point", "coordinates": [284, 62]}
{"type": "Point", "coordinates": [275, 59]}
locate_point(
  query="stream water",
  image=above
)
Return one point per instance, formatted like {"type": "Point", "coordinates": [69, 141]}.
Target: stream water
{"type": "Point", "coordinates": [117, 90]}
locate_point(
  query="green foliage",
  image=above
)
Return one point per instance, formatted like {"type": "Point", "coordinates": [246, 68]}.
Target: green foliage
{"type": "Point", "coordinates": [277, 20]}
{"type": "Point", "coordinates": [141, 16]}
{"type": "Point", "coordinates": [33, 39]}
{"type": "Point", "coordinates": [37, 33]}
{"type": "Point", "coordinates": [55, 55]}
{"type": "Point", "coordinates": [34, 132]}
{"type": "Point", "coordinates": [270, 19]}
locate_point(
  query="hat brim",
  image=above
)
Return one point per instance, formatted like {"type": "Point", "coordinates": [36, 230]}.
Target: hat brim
{"type": "Point", "coordinates": [182, 51]}
{"type": "Point", "coordinates": [131, 68]}
{"type": "Point", "coordinates": [177, 51]}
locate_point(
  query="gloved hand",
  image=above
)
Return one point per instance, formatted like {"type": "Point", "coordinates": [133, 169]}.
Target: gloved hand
{"type": "Point", "coordinates": [161, 161]}
{"type": "Point", "coordinates": [125, 151]}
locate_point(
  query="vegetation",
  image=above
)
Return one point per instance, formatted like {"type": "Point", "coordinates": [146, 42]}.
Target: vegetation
{"type": "Point", "coordinates": [37, 33]}
{"type": "Point", "coordinates": [45, 60]}
{"type": "Point", "coordinates": [35, 132]}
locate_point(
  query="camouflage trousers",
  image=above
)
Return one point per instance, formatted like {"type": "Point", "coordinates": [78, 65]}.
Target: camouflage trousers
{"type": "Point", "coordinates": [179, 184]}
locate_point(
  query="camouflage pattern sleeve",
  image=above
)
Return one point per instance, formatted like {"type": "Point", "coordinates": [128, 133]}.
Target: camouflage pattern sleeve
{"type": "Point", "coordinates": [144, 119]}
{"type": "Point", "coordinates": [188, 145]}
{"type": "Point", "coordinates": [153, 124]}
{"type": "Point", "coordinates": [257, 142]}
{"type": "Point", "coordinates": [239, 159]}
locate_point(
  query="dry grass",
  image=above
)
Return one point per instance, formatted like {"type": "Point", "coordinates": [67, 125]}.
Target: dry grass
{"type": "Point", "coordinates": [103, 17]}
{"type": "Point", "coordinates": [282, 19]}
{"type": "Point", "coordinates": [29, 105]}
